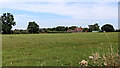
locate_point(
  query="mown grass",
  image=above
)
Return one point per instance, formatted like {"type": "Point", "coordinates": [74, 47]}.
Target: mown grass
{"type": "Point", "coordinates": [64, 49]}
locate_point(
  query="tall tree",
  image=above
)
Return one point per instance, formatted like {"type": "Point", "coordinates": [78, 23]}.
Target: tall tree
{"type": "Point", "coordinates": [7, 21]}
{"type": "Point", "coordinates": [94, 27]}
{"type": "Point", "coordinates": [107, 28]}
{"type": "Point", "coordinates": [33, 27]}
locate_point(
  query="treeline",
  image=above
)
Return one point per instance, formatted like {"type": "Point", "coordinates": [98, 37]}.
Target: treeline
{"type": "Point", "coordinates": [58, 29]}
{"type": "Point", "coordinates": [7, 22]}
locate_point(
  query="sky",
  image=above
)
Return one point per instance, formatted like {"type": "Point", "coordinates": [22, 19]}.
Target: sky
{"type": "Point", "coordinates": [52, 14]}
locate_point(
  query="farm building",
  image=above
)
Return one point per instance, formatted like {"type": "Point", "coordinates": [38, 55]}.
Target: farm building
{"type": "Point", "coordinates": [76, 30]}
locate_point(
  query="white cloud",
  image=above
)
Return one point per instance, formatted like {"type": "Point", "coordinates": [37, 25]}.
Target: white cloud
{"type": "Point", "coordinates": [77, 10]}
{"type": "Point", "coordinates": [97, 10]}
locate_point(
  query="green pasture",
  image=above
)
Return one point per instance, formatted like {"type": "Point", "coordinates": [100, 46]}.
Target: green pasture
{"type": "Point", "coordinates": [60, 49]}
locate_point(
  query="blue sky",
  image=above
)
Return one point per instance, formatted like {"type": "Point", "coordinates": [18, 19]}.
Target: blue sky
{"type": "Point", "coordinates": [52, 14]}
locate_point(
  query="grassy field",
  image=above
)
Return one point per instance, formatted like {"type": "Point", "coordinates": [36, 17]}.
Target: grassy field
{"type": "Point", "coordinates": [65, 49]}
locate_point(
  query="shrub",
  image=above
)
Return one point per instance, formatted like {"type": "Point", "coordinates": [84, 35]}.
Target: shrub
{"type": "Point", "coordinates": [24, 32]}
{"type": "Point", "coordinates": [16, 32]}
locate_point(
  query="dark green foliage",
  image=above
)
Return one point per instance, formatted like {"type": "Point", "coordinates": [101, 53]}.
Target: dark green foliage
{"type": "Point", "coordinates": [94, 27]}
{"type": "Point", "coordinates": [56, 32]}
{"type": "Point", "coordinates": [53, 29]}
{"type": "Point", "coordinates": [72, 27]}
{"type": "Point", "coordinates": [16, 31]}
{"type": "Point", "coordinates": [0, 27]}
{"type": "Point", "coordinates": [46, 30]}
{"type": "Point", "coordinates": [107, 28]}
{"type": "Point", "coordinates": [33, 27]}
{"type": "Point", "coordinates": [60, 28]}
{"type": "Point", "coordinates": [7, 21]}
{"type": "Point", "coordinates": [66, 28]}
{"type": "Point", "coordinates": [42, 31]}
{"type": "Point", "coordinates": [85, 29]}
{"type": "Point", "coordinates": [49, 29]}
{"type": "Point", "coordinates": [24, 32]}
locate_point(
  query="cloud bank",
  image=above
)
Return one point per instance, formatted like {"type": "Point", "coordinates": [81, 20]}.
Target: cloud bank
{"type": "Point", "coordinates": [79, 13]}
{"type": "Point", "coordinates": [75, 10]}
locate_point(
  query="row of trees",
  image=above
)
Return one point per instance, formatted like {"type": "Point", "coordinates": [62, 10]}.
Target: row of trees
{"type": "Point", "coordinates": [106, 27]}
{"type": "Point", "coordinates": [95, 27]}
{"type": "Point", "coordinates": [7, 22]}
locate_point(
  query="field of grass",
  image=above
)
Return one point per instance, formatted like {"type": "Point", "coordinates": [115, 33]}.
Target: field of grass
{"type": "Point", "coordinates": [63, 49]}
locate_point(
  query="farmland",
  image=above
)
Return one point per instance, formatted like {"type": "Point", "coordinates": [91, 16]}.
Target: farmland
{"type": "Point", "coordinates": [59, 49]}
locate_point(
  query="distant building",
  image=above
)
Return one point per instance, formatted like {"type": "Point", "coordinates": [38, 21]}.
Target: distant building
{"type": "Point", "coordinates": [76, 30]}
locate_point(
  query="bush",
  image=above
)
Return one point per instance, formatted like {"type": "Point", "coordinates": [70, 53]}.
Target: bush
{"type": "Point", "coordinates": [24, 32]}
{"type": "Point", "coordinates": [57, 32]}
{"type": "Point", "coordinates": [42, 31]}
{"type": "Point", "coordinates": [16, 32]}
{"type": "Point", "coordinates": [20, 32]}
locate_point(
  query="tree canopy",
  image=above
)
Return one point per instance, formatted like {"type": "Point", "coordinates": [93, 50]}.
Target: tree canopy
{"type": "Point", "coordinates": [94, 27]}
{"type": "Point", "coordinates": [33, 27]}
{"type": "Point", "coordinates": [7, 21]}
{"type": "Point", "coordinates": [107, 28]}
{"type": "Point", "coordinates": [72, 27]}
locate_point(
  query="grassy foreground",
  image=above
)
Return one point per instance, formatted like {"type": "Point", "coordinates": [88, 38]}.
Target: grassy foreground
{"type": "Point", "coordinates": [54, 49]}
